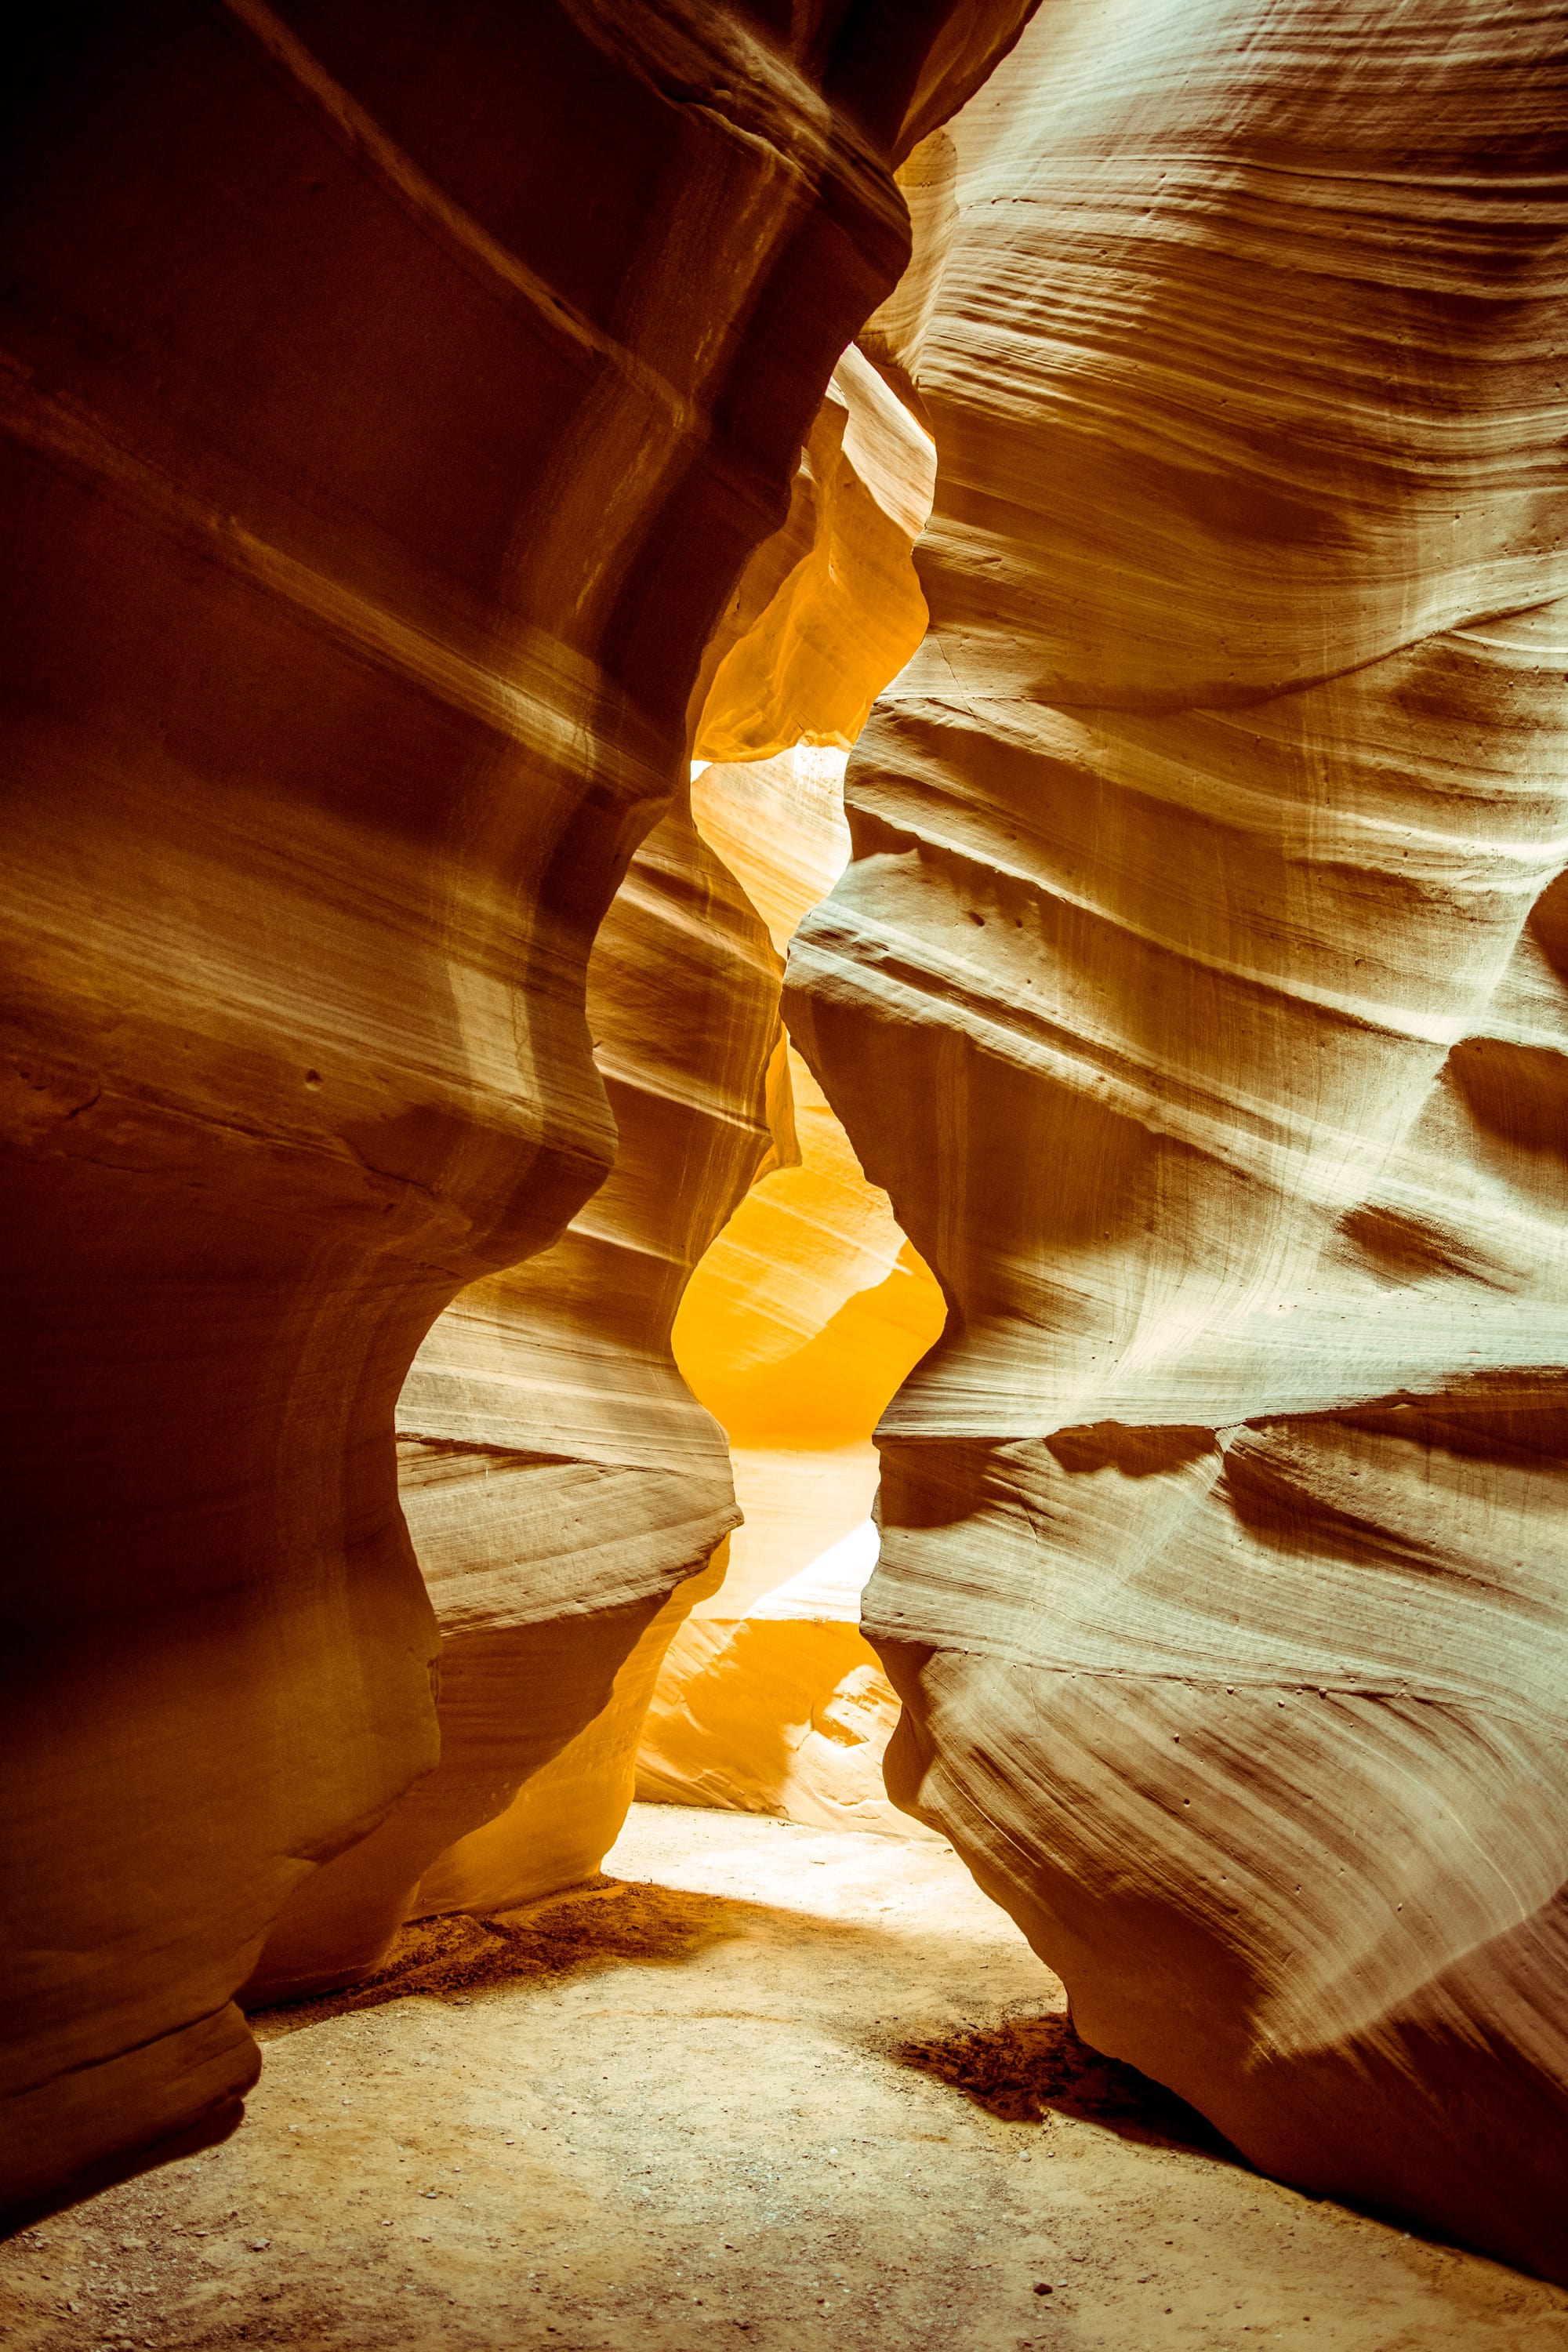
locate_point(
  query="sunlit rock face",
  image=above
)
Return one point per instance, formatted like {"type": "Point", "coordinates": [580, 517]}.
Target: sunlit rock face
{"type": "Point", "coordinates": [797, 1328]}
{"type": "Point", "coordinates": [809, 1308]}
{"type": "Point", "coordinates": [558, 1477]}
{"type": "Point", "coordinates": [1199, 993]}
{"type": "Point", "coordinates": [846, 614]}
{"type": "Point", "coordinates": [393, 400]}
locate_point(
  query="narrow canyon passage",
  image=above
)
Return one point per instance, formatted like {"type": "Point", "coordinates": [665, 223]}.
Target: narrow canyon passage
{"type": "Point", "coordinates": [714, 2103]}
{"type": "Point", "coordinates": [783, 1175]}
{"type": "Point", "coordinates": [796, 1329]}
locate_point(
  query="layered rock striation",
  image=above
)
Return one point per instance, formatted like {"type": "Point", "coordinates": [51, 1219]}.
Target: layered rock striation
{"type": "Point", "coordinates": [1199, 993]}
{"type": "Point", "coordinates": [558, 1477]}
{"type": "Point", "coordinates": [391, 401]}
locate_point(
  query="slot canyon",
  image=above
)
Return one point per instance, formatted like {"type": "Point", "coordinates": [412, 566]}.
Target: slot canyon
{"type": "Point", "coordinates": [785, 1110]}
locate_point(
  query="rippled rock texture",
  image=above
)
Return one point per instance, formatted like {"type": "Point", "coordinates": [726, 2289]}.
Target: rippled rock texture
{"type": "Point", "coordinates": [392, 401]}
{"type": "Point", "coordinates": [796, 1329]}
{"type": "Point", "coordinates": [561, 1484]}
{"type": "Point", "coordinates": [1199, 993]}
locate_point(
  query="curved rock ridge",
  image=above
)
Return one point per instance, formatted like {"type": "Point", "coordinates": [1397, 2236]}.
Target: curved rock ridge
{"type": "Point", "coordinates": [776, 1704]}
{"type": "Point", "coordinates": [389, 406]}
{"type": "Point", "coordinates": [811, 1236]}
{"type": "Point", "coordinates": [1199, 993]}
{"type": "Point", "coordinates": [558, 1478]}
{"type": "Point", "coordinates": [849, 613]}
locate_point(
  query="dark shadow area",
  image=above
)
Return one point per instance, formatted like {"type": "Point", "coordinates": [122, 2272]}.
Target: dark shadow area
{"type": "Point", "coordinates": [1137, 1453]}
{"type": "Point", "coordinates": [1026, 2065]}
{"type": "Point", "coordinates": [604, 1921]}
{"type": "Point", "coordinates": [119, 2171]}
{"type": "Point", "coordinates": [1019, 2070]}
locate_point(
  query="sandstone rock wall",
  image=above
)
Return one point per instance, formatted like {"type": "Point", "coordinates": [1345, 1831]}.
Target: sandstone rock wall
{"type": "Point", "coordinates": [1199, 993]}
{"type": "Point", "coordinates": [558, 1478]}
{"type": "Point", "coordinates": [556, 1475]}
{"type": "Point", "coordinates": [391, 400]}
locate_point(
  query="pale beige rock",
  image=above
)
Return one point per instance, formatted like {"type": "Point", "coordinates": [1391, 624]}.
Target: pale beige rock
{"type": "Point", "coordinates": [811, 1236]}
{"type": "Point", "coordinates": [1199, 993]}
{"type": "Point", "coordinates": [800, 1322]}
{"type": "Point", "coordinates": [565, 1817]}
{"type": "Point", "coordinates": [848, 614]}
{"type": "Point", "coordinates": [557, 1477]}
{"type": "Point", "coordinates": [779, 1707]}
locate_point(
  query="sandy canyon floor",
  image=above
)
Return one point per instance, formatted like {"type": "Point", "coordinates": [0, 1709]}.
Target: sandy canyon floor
{"type": "Point", "coordinates": [762, 2086]}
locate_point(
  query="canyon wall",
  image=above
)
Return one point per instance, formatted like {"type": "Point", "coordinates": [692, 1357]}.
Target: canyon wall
{"type": "Point", "coordinates": [1199, 993]}
{"type": "Point", "coordinates": [558, 1478]}
{"type": "Point", "coordinates": [391, 401]}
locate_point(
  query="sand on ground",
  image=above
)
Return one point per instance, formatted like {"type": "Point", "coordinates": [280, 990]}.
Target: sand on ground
{"type": "Point", "coordinates": [760, 2085]}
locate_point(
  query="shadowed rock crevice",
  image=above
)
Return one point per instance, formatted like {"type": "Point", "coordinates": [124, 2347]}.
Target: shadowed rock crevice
{"type": "Point", "coordinates": [475, 479]}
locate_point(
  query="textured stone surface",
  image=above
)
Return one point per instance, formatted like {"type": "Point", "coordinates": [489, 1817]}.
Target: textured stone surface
{"type": "Point", "coordinates": [809, 1308]}
{"type": "Point", "coordinates": [848, 613]}
{"type": "Point", "coordinates": [393, 399]}
{"type": "Point", "coordinates": [557, 1477]}
{"type": "Point", "coordinates": [1199, 994]}
{"type": "Point", "coordinates": [776, 1704]}
{"type": "Point", "coordinates": [795, 1332]}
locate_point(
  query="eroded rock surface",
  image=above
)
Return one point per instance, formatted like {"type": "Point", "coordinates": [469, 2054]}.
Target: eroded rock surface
{"type": "Point", "coordinates": [392, 401]}
{"type": "Point", "coordinates": [1199, 994]}
{"type": "Point", "coordinates": [557, 1475]}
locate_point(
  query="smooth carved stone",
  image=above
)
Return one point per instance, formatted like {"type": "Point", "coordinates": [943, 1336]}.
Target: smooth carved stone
{"type": "Point", "coordinates": [557, 1475]}
{"type": "Point", "coordinates": [1199, 993]}
{"type": "Point", "coordinates": [811, 1235]}
{"type": "Point", "coordinates": [767, 793]}
{"type": "Point", "coordinates": [392, 401]}
{"type": "Point", "coordinates": [849, 613]}
{"type": "Point", "coordinates": [769, 1699]}
{"type": "Point", "coordinates": [779, 1707]}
